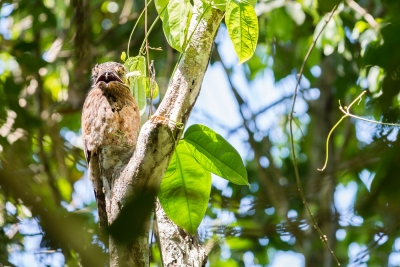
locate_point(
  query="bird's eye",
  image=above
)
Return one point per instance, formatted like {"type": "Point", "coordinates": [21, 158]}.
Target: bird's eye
{"type": "Point", "coordinates": [121, 72]}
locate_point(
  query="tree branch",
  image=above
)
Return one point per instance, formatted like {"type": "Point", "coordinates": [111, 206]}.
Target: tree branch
{"type": "Point", "coordinates": [368, 17]}
{"type": "Point", "coordinates": [159, 135]}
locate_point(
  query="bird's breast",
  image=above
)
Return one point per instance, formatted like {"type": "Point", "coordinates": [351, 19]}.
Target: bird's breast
{"type": "Point", "coordinates": [110, 117]}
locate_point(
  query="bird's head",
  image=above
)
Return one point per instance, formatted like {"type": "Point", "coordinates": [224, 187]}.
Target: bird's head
{"type": "Point", "coordinates": [109, 72]}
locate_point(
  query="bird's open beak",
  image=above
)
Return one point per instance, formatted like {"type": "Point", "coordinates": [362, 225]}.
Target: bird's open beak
{"type": "Point", "coordinates": [108, 76]}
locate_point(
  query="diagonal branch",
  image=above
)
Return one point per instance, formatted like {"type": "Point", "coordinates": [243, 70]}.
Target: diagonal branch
{"type": "Point", "coordinates": [368, 17]}
{"type": "Point", "coordinates": [159, 135]}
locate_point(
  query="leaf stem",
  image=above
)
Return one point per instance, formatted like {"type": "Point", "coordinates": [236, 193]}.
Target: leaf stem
{"type": "Point", "coordinates": [327, 142]}
{"type": "Point", "coordinates": [149, 31]}
{"type": "Point", "coordinates": [134, 27]}
{"type": "Point", "coordinates": [148, 62]}
{"type": "Point", "coordinates": [345, 111]}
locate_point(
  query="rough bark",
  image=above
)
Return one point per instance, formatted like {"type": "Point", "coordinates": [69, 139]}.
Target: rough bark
{"type": "Point", "coordinates": [158, 136]}
{"type": "Point", "coordinates": [178, 247]}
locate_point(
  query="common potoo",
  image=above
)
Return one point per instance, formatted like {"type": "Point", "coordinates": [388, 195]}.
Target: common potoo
{"type": "Point", "coordinates": [110, 124]}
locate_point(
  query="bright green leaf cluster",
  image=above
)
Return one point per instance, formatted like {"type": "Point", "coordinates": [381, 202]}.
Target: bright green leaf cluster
{"type": "Point", "coordinates": [137, 77]}
{"type": "Point", "coordinates": [139, 81]}
{"type": "Point", "coordinates": [241, 21]}
{"type": "Point", "coordinates": [185, 189]}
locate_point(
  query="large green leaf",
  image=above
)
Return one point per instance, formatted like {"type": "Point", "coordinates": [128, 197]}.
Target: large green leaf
{"type": "Point", "coordinates": [176, 21]}
{"type": "Point", "coordinates": [253, 2]}
{"type": "Point", "coordinates": [242, 23]}
{"type": "Point", "coordinates": [220, 4]}
{"type": "Point", "coordinates": [136, 76]}
{"type": "Point", "coordinates": [215, 154]}
{"type": "Point", "coordinates": [185, 190]}
{"type": "Point", "coordinates": [160, 6]}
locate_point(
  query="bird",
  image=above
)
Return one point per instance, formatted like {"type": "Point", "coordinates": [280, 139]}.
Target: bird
{"type": "Point", "coordinates": [110, 125]}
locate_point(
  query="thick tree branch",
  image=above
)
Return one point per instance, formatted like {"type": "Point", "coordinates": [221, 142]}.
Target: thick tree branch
{"type": "Point", "coordinates": [178, 247]}
{"type": "Point", "coordinates": [159, 135]}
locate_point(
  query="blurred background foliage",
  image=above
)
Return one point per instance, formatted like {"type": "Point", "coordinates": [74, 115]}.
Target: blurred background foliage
{"type": "Point", "coordinates": [48, 214]}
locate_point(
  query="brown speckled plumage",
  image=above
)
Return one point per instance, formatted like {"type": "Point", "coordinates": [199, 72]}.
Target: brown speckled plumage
{"type": "Point", "coordinates": [110, 118]}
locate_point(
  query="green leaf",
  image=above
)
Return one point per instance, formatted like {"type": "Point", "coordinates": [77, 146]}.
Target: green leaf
{"type": "Point", "coordinates": [185, 190]}
{"type": "Point", "coordinates": [220, 4]}
{"type": "Point", "coordinates": [160, 6]}
{"type": "Point", "coordinates": [176, 21]}
{"type": "Point", "coordinates": [242, 23]}
{"type": "Point", "coordinates": [156, 90]}
{"type": "Point", "coordinates": [136, 76]}
{"type": "Point", "coordinates": [215, 154]}
{"type": "Point", "coordinates": [123, 56]}
{"type": "Point", "coordinates": [253, 2]}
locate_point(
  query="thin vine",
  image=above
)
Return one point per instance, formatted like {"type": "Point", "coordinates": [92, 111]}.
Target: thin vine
{"type": "Point", "coordinates": [346, 111]}
{"type": "Point", "coordinates": [148, 60]}
{"type": "Point", "coordinates": [296, 170]}
{"type": "Point", "coordinates": [142, 47]}
{"type": "Point", "coordinates": [134, 27]}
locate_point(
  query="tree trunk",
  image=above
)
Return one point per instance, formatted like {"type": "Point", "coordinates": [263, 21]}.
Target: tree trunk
{"type": "Point", "coordinates": [178, 247]}
{"type": "Point", "coordinates": [158, 138]}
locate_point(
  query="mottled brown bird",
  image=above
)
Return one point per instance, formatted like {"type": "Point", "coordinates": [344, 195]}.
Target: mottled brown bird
{"type": "Point", "coordinates": [110, 124]}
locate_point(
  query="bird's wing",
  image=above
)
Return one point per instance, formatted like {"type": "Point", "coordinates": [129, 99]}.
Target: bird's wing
{"type": "Point", "coordinates": [87, 152]}
{"type": "Point", "coordinates": [93, 164]}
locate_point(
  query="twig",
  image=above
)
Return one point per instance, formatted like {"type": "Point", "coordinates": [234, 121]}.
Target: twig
{"type": "Point", "coordinates": [368, 17]}
{"type": "Point", "coordinates": [148, 60]}
{"type": "Point", "coordinates": [346, 111]}
{"type": "Point", "coordinates": [334, 127]}
{"type": "Point", "coordinates": [149, 31]}
{"type": "Point", "coordinates": [296, 170]}
{"type": "Point", "coordinates": [152, 85]}
{"type": "Point", "coordinates": [134, 27]}
{"type": "Point", "coordinates": [298, 126]}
